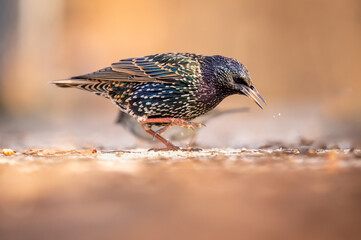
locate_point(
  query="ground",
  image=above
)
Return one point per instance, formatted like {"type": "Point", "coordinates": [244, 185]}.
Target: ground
{"type": "Point", "coordinates": [210, 194]}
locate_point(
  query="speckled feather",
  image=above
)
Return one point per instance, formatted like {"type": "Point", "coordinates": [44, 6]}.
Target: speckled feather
{"type": "Point", "coordinates": [172, 85]}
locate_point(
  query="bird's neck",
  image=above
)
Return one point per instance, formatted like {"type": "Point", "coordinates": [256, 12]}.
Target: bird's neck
{"type": "Point", "coordinates": [211, 91]}
{"type": "Point", "coordinates": [210, 97]}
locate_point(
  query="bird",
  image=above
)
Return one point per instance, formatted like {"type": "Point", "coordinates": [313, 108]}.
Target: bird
{"type": "Point", "coordinates": [168, 89]}
{"type": "Point", "coordinates": [174, 134]}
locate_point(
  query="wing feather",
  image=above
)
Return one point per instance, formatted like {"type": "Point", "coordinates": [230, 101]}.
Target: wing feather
{"type": "Point", "coordinates": [164, 68]}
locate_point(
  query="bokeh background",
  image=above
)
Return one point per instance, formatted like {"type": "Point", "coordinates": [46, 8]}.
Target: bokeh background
{"type": "Point", "coordinates": [304, 57]}
{"type": "Point", "coordinates": [70, 177]}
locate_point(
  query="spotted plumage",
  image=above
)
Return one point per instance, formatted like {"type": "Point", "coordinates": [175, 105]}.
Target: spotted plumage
{"type": "Point", "coordinates": [174, 86]}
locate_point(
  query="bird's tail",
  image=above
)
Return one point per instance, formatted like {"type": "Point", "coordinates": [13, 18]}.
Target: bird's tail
{"type": "Point", "coordinates": [98, 87]}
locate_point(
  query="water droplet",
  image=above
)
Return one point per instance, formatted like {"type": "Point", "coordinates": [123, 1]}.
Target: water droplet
{"type": "Point", "coordinates": [277, 115]}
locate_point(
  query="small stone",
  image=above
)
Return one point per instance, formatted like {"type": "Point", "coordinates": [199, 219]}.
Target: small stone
{"type": "Point", "coordinates": [8, 152]}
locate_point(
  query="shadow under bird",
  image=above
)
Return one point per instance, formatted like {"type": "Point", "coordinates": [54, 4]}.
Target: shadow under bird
{"type": "Point", "coordinates": [168, 89]}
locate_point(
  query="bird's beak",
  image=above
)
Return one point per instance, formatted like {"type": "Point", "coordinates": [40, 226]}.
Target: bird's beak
{"type": "Point", "coordinates": [253, 94]}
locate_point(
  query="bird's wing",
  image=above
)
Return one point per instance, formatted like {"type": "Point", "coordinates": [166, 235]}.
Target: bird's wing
{"type": "Point", "coordinates": [165, 68]}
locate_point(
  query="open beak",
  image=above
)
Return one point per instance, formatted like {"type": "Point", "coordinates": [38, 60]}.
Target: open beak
{"type": "Point", "coordinates": [253, 94]}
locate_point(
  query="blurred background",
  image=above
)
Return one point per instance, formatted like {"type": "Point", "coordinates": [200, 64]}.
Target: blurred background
{"type": "Point", "coordinates": [304, 58]}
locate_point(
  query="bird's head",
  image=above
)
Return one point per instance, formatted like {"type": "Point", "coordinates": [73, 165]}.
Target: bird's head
{"type": "Point", "coordinates": [234, 76]}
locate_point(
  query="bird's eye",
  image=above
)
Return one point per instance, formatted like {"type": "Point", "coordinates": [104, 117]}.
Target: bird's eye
{"type": "Point", "coordinates": [240, 80]}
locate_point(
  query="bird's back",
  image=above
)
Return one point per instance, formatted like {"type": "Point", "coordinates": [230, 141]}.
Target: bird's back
{"type": "Point", "coordinates": [162, 85]}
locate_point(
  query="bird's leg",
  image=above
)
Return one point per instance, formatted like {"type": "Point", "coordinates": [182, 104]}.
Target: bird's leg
{"type": "Point", "coordinates": [172, 122]}
{"type": "Point", "coordinates": [162, 130]}
{"type": "Point", "coordinates": [168, 144]}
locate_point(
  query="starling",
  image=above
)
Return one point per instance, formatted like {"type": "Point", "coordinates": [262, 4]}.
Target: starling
{"type": "Point", "coordinates": [168, 89]}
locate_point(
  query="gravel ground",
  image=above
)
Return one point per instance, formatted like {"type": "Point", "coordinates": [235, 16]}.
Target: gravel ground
{"type": "Point", "coordinates": [210, 194]}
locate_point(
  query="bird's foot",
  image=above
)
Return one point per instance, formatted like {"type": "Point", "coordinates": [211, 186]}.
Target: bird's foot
{"type": "Point", "coordinates": [168, 144]}
{"type": "Point", "coordinates": [169, 148]}
{"type": "Point", "coordinates": [175, 148]}
{"type": "Point", "coordinates": [192, 149]}
{"type": "Point", "coordinates": [171, 122]}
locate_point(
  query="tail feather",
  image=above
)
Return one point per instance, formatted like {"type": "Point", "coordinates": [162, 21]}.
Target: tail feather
{"type": "Point", "coordinates": [71, 82]}
{"type": "Point", "coordinates": [96, 86]}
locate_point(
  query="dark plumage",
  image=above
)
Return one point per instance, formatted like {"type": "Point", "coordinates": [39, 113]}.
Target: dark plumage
{"type": "Point", "coordinates": [168, 89]}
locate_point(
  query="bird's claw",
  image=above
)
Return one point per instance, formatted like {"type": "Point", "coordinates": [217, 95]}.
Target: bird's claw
{"type": "Point", "coordinates": [155, 133]}
{"type": "Point", "coordinates": [168, 148]}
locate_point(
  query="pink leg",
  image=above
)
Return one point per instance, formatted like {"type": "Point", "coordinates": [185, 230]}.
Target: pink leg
{"type": "Point", "coordinates": [171, 122]}
{"type": "Point", "coordinates": [168, 144]}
